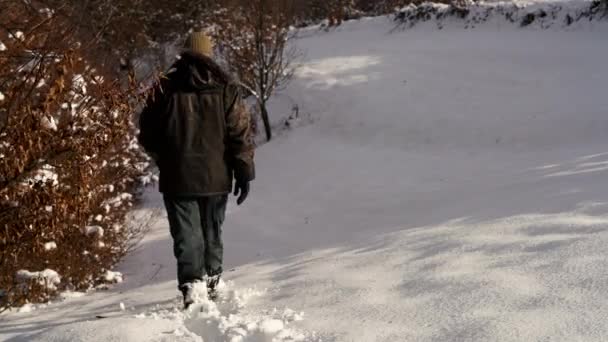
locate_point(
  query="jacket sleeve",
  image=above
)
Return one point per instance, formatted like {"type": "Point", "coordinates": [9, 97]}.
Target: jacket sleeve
{"type": "Point", "coordinates": [150, 126]}
{"type": "Point", "coordinates": [239, 143]}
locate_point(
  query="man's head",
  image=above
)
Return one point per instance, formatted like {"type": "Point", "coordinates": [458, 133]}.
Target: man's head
{"type": "Point", "coordinates": [200, 42]}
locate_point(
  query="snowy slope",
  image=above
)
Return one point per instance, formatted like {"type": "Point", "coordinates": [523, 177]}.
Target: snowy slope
{"type": "Point", "coordinates": [450, 187]}
{"type": "Point", "coordinates": [539, 14]}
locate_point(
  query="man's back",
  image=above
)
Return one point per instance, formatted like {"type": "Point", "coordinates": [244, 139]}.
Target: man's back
{"type": "Point", "coordinates": [195, 123]}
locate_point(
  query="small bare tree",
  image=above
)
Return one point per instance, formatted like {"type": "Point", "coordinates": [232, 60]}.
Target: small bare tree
{"type": "Point", "coordinates": [255, 40]}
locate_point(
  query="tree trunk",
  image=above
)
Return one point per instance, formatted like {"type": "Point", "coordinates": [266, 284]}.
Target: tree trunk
{"type": "Point", "coordinates": [266, 120]}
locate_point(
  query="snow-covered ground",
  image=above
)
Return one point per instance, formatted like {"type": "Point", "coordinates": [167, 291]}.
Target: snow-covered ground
{"type": "Point", "coordinates": [452, 186]}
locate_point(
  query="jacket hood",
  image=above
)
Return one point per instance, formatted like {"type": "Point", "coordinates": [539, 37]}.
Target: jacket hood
{"type": "Point", "coordinates": [199, 71]}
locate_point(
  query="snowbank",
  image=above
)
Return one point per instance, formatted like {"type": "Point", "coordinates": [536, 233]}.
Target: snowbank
{"type": "Point", "coordinates": [46, 173]}
{"type": "Point", "coordinates": [49, 246]}
{"type": "Point", "coordinates": [540, 14]}
{"type": "Point", "coordinates": [113, 277]}
{"type": "Point", "coordinates": [47, 278]}
{"type": "Point", "coordinates": [95, 231]}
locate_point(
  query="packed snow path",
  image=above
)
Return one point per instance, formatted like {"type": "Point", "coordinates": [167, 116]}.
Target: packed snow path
{"type": "Point", "coordinates": [452, 186]}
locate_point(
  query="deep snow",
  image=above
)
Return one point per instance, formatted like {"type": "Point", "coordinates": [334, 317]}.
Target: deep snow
{"type": "Point", "coordinates": [451, 187]}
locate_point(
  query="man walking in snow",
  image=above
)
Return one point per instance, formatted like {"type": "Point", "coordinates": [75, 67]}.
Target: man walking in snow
{"type": "Point", "coordinates": [196, 128]}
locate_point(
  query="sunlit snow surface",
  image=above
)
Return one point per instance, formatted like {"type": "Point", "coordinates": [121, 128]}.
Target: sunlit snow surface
{"type": "Point", "coordinates": [442, 185]}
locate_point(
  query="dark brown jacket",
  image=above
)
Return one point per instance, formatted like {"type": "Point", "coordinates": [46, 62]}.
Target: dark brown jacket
{"type": "Point", "coordinates": [197, 129]}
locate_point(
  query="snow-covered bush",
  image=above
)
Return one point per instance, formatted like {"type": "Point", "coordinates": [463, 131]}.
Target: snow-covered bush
{"type": "Point", "coordinates": [332, 13]}
{"type": "Point", "coordinates": [470, 13]}
{"type": "Point", "coordinates": [67, 152]}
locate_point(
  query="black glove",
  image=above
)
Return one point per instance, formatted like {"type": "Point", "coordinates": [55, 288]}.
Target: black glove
{"type": "Point", "coordinates": [242, 188]}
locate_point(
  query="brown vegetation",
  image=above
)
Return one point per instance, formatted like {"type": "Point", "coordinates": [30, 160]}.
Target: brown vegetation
{"type": "Point", "coordinates": [68, 158]}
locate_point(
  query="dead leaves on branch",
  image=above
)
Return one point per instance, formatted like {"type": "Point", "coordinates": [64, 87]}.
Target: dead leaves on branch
{"type": "Point", "coordinates": [67, 148]}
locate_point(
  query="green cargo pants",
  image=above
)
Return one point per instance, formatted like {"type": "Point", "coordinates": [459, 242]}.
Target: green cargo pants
{"type": "Point", "coordinates": [196, 228]}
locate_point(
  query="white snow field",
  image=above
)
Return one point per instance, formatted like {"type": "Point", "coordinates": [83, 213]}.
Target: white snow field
{"type": "Point", "coordinates": [441, 185]}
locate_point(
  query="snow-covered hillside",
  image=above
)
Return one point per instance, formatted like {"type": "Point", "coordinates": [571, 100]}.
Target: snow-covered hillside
{"type": "Point", "coordinates": [542, 14]}
{"type": "Point", "coordinates": [442, 185]}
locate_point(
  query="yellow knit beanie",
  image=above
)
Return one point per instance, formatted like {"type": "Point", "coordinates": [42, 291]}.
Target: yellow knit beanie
{"type": "Point", "coordinates": [200, 42]}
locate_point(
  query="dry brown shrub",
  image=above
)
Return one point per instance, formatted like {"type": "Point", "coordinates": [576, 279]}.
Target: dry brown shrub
{"type": "Point", "coordinates": [68, 156]}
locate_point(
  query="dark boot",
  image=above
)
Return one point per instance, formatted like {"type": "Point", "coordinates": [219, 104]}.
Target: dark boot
{"type": "Point", "coordinates": [212, 283]}
{"type": "Point", "coordinates": [188, 293]}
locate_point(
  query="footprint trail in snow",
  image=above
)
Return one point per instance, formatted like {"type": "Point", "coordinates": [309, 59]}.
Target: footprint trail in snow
{"type": "Point", "coordinates": [228, 320]}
